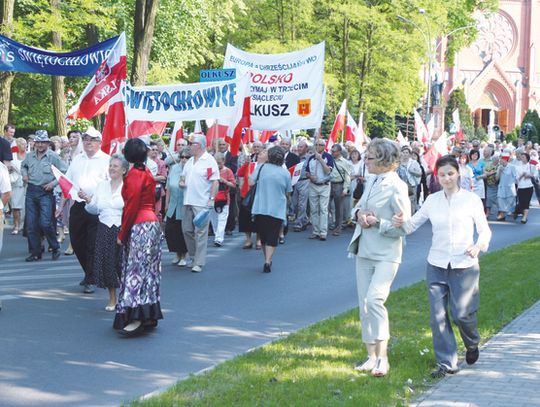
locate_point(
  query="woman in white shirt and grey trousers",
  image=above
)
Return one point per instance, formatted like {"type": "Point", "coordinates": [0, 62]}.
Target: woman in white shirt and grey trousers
{"type": "Point", "coordinates": [453, 272]}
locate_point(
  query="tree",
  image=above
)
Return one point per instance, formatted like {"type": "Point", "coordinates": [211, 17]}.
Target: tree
{"type": "Point", "coordinates": [58, 100]}
{"type": "Point", "coordinates": [531, 126]}
{"type": "Point", "coordinates": [6, 78]}
{"type": "Point", "coordinates": [457, 101]}
{"type": "Point", "coordinates": [143, 34]}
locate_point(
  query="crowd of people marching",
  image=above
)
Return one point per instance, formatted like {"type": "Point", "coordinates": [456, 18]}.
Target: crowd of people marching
{"type": "Point", "coordinates": [125, 204]}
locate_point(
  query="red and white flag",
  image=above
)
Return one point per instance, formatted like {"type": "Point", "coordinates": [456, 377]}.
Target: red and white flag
{"type": "Point", "coordinates": [104, 84]}
{"type": "Point", "coordinates": [296, 171]}
{"type": "Point", "coordinates": [176, 134]}
{"type": "Point", "coordinates": [422, 132]}
{"type": "Point", "coordinates": [339, 125]}
{"type": "Point", "coordinates": [351, 128]}
{"type": "Point", "coordinates": [69, 191]}
{"type": "Point", "coordinates": [243, 121]}
{"type": "Point", "coordinates": [436, 151]}
{"type": "Point", "coordinates": [265, 135]}
{"type": "Point", "coordinates": [361, 140]}
{"type": "Point", "coordinates": [457, 122]}
{"type": "Point", "coordinates": [216, 131]}
{"type": "Point", "coordinates": [400, 139]}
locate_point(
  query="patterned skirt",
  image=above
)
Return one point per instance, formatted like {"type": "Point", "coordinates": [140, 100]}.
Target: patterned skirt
{"type": "Point", "coordinates": [107, 257]}
{"type": "Point", "coordinates": [138, 299]}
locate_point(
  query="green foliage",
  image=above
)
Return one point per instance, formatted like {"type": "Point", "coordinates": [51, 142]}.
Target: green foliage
{"type": "Point", "coordinates": [457, 101]}
{"type": "Point", "coordinates": [480, 134]}
{"type": "Point", "coordinates": [532, 118]}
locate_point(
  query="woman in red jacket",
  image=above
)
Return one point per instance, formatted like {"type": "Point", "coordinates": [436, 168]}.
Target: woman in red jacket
{"type": "Point", "coordinates": [140, 234]}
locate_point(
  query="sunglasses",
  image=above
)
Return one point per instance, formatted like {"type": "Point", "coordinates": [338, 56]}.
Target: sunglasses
{"type": "Point", "coordinates": [184, 156]}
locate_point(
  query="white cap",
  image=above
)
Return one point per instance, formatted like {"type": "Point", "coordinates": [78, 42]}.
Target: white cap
{"type": "Point", "coordinates": [92, 132]}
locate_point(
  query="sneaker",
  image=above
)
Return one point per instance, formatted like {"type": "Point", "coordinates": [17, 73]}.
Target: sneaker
{"type": "Point", "coordinates": [472, 356]}
{"type": "Point", "coordinates": [442, 372]}
{"type": "Point", "coordinates": [196, 269]}
{"type": "Point", "coordinates": [218, 244]}
{"type": "Point", "coordinates": [182, 263]}
{"type": "Point", "coordinates": [175, 260]}
{"type": "Point", "coordinates": [367, 365]}
{"type": "Point", "coordinates": [88, 289]}
{"type": "Point", "coordinates": [381, 367]}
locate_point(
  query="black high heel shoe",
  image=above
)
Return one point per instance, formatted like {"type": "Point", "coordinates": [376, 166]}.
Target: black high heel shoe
{"type": "Point", "coordinates": [132, 331]}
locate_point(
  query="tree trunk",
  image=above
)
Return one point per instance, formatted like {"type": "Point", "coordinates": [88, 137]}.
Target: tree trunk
{"type": "Point", "coordinates": [58, 99]}
{"type": "Point", "coordinates": [345, 57]}
{"type": "Point", "coordinates": [6, 78]}
{"type": "Point", "coordinates": [143, 34]}
{"type": "Point", "coordinates": [365, 68]}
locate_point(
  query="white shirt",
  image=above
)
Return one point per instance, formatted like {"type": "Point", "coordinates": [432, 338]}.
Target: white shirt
{"type": "Point", "coordinates": [5, 184]}
{"type": "Point", "coordinates": [86, 173]}
{"type": "Point", "coordinates": [453, 222]}
{"type": "Point", "coordinates": [521, 169]}
{"type": "Point", "coordinates": [107, 204]}
{"type": "Point", "coordinates": [199, 177]}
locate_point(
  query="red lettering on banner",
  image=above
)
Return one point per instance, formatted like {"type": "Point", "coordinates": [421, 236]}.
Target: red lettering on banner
{"type": "Point", "coordinates": [271, 79]}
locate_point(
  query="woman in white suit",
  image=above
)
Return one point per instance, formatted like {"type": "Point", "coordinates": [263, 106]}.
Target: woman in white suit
{"type": "Point", "coordinates": [378, 248]}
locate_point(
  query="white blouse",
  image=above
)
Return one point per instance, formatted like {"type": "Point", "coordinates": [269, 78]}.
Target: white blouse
{"type": "Point", "coordinates": [108, 205]}
{"type": "Point", "coordinates": [453, 221]}
{"type": "Point", "coordinates": [522, 169]}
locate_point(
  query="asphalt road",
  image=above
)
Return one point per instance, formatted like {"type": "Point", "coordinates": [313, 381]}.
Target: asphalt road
{"type": "Point", "coordinates": [58, 348]}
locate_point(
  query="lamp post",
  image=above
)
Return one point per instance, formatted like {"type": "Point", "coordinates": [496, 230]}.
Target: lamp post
{"type": "Point", "coordinates": [427, 39]}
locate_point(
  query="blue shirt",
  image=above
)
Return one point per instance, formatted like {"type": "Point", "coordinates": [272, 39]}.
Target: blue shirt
{"type": "Point", "coordinates": [271, 197]}
{"type": "Point", "coordinates": [176, 194]}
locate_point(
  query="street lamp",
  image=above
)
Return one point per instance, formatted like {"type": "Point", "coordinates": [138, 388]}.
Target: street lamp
{"type": "Point", "coordinates": [427, 39]}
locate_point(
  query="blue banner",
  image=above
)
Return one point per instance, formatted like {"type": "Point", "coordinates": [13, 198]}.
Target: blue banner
{"type": "Point", "coordinates": [17, 57]}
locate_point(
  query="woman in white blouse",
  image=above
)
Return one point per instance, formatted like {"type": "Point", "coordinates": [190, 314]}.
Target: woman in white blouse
{"type": "Point", "coordinates": [107, 203]}
{"type": "Point", "coordinates": [526, 172]}
{"type": "Point", "coordinates": [452, 270]}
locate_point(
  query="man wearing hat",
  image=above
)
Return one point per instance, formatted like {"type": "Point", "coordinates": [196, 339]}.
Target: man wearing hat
{"type": "Point", "coordinates": [86, 171]}
{"type": "Point", "coordinates": [40, 181]}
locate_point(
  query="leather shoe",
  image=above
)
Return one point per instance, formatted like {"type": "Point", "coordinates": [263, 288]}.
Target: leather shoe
{"type": "Point", "coordinates": [472, 356]}
{"type": "Point", "coordinates": [33, 257]}
{"type": "Point", "coordinates": [88, 289]}
{"type": "Point", "coordinates": [56, 254]}
{"type": "Point", "coordinates": [267, 268]}
{"type": "Point", "coordinates": [132, 329]}
{"type": "Point", "coordinates": [441, 372]}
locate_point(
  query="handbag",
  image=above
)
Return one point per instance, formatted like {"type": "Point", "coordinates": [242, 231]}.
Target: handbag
{"type": "Point", "coordinates": [247, 201]}
{"type": "Point", "coordinates": [358, 190]}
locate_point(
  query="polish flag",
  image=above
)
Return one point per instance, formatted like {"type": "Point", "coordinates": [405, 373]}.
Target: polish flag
{"type": "Point", "coordinates": [361, 140]}
{"type": "Point", "coordinates": [114, 129]}
{"type": "Point", "coordinates": [244, 121]}
{"type": "Point", "coordinates": [422, 132]}
{"type": "Point", "coordinates": [351, 129]}
{"type": "Point", "coordinates": [436, 151]}
{"type": "Point", "coordinates": [400, 139]}
{"type": "Point", "coordinates": [265, 135]}
{"type": "Point", "coordinates": [459, 131]}
{"type": "Point", "coordinates": [69, 191]}
{"type": "Point", "coordinates": [248, 136]}
{"type": "Point", "coordinates": [176, 134]}
{"type": "Point", "coordinates": [215, 131]}
{"type": "Point", "coordinates": [339, 125]}
{"type": "Point", "coordinates": [296, 171]}
{"type": "Point", "coordinates": [104, 84]}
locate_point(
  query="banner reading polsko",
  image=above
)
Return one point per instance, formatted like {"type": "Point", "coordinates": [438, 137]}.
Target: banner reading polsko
{"type": "Point", "coordinates": [195, 101]}
{"type": "Point", "coordinates": [286, 89]}
{"type": "Point", "coordinates": [16, 57]}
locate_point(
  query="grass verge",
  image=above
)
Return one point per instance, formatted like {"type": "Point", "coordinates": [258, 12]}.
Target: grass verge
{"type": "Point", "coordinates": [314, 365]}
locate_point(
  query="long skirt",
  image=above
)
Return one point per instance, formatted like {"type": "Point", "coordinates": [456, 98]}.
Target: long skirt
{"type": "Point", "coordinates": [138, 299]}
{"type": "Point", "coordinates": [174, 235]}
{"type": "Point", "coordinates": [524, 198]}
{"type": "Point", "coordinates": [107, 257]}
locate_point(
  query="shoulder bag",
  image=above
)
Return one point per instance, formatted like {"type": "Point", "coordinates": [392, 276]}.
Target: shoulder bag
{"type": "Point", "coordinates": [247, 201]}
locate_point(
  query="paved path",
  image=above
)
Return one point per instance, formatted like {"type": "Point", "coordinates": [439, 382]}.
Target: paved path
{"type": "Point", "coordinates": [507, 373]}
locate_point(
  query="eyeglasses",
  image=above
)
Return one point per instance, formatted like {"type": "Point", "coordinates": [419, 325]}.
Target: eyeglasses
{"type": "Point", "coordinates": [321, 144]}
{"type": "Point", "coordinates": [184, 157]}
{"type": "Point", "coordinates": [370, 158]}
{"type": "Point", "coordinates": [192, 142]}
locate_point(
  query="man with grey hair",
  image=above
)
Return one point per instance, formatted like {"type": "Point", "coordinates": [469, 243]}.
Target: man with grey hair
{"type": "Point", "coordinates": [291, 159]}
{"type": "Point", "coordinates": [200, 177]}
{"type": "Point", "coordinates": [318, 168]}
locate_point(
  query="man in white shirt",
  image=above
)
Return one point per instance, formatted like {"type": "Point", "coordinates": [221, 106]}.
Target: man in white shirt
{"type": "Point", "coordinates": [86, 171]}
{"type": "Point", "coordinates": [201, 180]}
{"type": "Point", "coordinates": [5, 194]}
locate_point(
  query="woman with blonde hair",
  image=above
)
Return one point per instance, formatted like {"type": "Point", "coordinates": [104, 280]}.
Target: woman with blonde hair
{"type": "Point", "coordinates": [378, 248]}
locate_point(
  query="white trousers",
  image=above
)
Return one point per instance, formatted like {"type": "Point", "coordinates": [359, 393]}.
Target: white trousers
{"type": "Point", "coordinates": [373, 281]}
{"type": "Point", "coordinates": [219, 221]}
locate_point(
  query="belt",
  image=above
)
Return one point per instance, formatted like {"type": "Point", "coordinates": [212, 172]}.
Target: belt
{"type": "Point", "coordinates": [320, 183]}
{"type": "Point", "coordinates": [335, 183]}
{"type": "Point", "coordinates": [303, 179]}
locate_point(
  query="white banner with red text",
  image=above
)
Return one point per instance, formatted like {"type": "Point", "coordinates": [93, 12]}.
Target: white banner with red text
{"type": "Point", "coordinates": [287, 90]}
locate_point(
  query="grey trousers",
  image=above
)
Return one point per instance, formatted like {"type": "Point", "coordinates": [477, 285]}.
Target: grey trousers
{"type": "Point", "coordinates": [299, 203]}
{"type": "Point", "coordinates": [196, 238]}
{"type": "Point", "coordinates": [457, 290]}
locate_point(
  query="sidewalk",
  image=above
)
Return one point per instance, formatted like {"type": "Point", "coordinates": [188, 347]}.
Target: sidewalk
{"type": "Point", "coordinates": [507, 373]}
